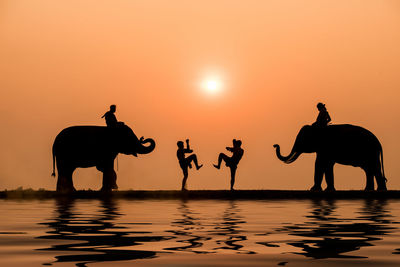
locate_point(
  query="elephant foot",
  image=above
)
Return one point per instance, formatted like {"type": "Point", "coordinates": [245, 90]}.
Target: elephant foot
{"type": "Point", "coordinates": [109, 187]}
{"type": "Point", "coordinates": [382, 186]}
{"type": "Point", "coordinates": [106, 189]}
{"type": "Point", "coordinates": [65, 184]}
{"type": "Point", "coordinates": [316, 189]}
{"type": "Point", "coordinates": [66, 190]}
{"type": "Point", "coordinates": [330, 189]}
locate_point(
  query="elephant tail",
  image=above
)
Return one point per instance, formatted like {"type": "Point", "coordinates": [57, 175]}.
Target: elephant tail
{"type": "Point", "coordinates": [54, 163]}
{"type": "Point", "coordinates": [383, 169]}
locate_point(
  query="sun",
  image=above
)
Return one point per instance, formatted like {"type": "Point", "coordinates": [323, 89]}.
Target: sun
{"type": "Point", "coordinates": [212, 86]}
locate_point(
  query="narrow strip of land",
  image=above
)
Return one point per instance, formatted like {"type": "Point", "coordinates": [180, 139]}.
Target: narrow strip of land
{"type": "Point", "coordinates": [201, 194]}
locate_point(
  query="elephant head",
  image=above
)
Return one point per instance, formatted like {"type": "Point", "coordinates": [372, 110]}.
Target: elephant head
{"type": "Point", "coordinates": [307, 141]}
{"type": "Point", "coordinates": [128, 143]}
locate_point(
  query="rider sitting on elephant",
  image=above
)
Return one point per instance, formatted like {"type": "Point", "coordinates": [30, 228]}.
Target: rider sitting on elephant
{"type": "Point", "coordinates": [323, 117]}
{"type": "Point", "coordinates": [110, 118]}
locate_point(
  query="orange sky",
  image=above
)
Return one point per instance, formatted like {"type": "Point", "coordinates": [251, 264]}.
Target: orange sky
{"type": "Point", "coordinates": [64, 62]}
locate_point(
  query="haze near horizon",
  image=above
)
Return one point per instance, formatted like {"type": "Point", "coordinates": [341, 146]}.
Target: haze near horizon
{"type": "Point", "coordinates": [64, 62]}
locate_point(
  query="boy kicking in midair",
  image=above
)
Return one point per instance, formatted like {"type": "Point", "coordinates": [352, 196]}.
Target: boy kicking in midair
{"type": "Point", "coordinates": [186, 162]}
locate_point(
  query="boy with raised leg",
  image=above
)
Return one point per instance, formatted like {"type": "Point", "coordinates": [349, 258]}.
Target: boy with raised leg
{"type": "Point", "coordinates": [186, 162]}
{"type": "Point", "coordinates": [233, 161]}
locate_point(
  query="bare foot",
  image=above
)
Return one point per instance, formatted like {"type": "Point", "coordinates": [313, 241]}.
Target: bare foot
{"type": "Point", "coordinates": [198, 167]}
{"type": "Point", "coordinates": [216, 166]}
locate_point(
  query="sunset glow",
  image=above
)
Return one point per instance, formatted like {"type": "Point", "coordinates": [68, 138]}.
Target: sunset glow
{"type": "Point", "coordinates": [199, 133]}
{"type": "Point", "coordinates": [212, 86]}
{"type": "Point", "coordinates": [208, 71]}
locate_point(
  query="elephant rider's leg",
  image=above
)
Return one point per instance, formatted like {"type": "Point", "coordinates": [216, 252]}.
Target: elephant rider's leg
{"type": "Point", "coordinates": [233, 174]}
{"type": "Point", "coordinates": [329, 177]}
{"type": "Point", "coordinates": [318, 173]}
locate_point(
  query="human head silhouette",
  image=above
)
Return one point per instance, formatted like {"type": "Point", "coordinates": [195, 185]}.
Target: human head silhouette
{"type": "Point", "coordinates": [113, 108]}
{"type": "Point", "coordinates": [321, 106]}
{"type": "Point", "coordinates": [180, 144]}
{"type": "Point", "coordinates": [237, 143]}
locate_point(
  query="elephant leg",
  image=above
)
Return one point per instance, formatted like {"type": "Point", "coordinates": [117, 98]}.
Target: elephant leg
{"type": "Point", "coordinates": [62, 184]}
{"type": "Point", "coordinates": [329, 177]}
{"type": "Point", "coordinates": [380, 179]}
{"type": "Point", "coordinates": [106, 166]}
{"type": "Point", "coordinates": [113, 179]}
{"type": "Point", "coordinates": [64, 181]}
{"type": "Point", "coordinates": [109, 180]}
{"type": "Point", "coordinates": [318, 174]}
{"type": "Point", "coordinates": [370, 179]}
{"type": "Point", "coordinates": [381, 182]}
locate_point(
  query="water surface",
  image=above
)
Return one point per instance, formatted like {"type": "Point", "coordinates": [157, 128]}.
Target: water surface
{"type": "Point", "coordinates": [199, 232]}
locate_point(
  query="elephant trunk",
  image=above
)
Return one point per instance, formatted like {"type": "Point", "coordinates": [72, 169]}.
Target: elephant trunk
{"type": "Point", "coordinates": [145, 149]}
{"type": "Point", "coordinates": [288, 159]}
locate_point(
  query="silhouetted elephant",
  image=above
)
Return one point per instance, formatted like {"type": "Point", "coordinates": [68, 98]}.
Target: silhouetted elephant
{"type": "Point", "coordinates": [344, 144]}
{"type": "Point", "coordinates": [89, 146]}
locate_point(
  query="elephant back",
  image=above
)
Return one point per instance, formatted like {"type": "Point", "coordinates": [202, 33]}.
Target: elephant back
{"type": "Point", "coordinates": [353, 139]}
{"type": "Point", "coordinates": [75, 137]}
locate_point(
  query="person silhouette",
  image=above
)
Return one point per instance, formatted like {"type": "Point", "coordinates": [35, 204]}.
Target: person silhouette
{"type": "Point", "coordinates": [110, 118]}
{"type": "Point", "coordinates": [186, 162]}
{"type": "Point", "coordinates": [323, 117]}
{"type": "Point", "coordinates": [233, 161]}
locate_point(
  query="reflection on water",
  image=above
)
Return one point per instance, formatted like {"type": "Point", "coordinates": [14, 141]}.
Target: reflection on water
{"type": "Point", "coordinates": [329, 235]}
{"type": "Point", "coordinates": [229, 228]}
{"type": "Point", "coordinates": [127, 230]}
{"type": "Point", "coordinates": [188, 228]}
{"type": "Point", "coordinates": [96, 236]}
{"type": "Point", "coordinates": [203, 237]}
